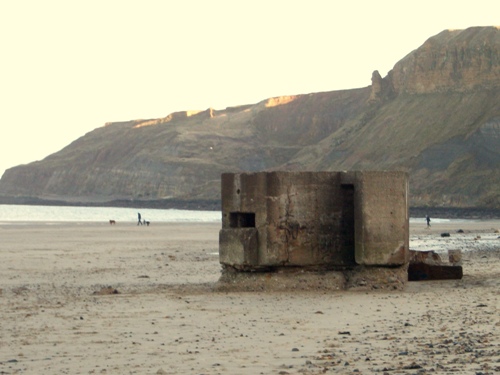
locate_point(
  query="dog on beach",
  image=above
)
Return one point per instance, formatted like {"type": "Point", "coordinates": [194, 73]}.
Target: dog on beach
{"type": "Point", "coordinates": [112, 222]}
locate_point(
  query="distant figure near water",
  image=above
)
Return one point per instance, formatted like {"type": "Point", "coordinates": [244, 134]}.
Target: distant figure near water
{"type": "Point", "coordinates": [139, 222]}
{"type": "Point", "coordinates": [428, 219]}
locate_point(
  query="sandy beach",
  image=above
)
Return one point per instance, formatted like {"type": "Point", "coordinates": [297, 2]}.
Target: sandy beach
{"type": "Point", "coordinates": [91, 298]}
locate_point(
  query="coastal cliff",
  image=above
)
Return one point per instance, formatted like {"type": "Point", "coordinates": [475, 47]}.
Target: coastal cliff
{"type": "Point", "coordinates": [436, 115]}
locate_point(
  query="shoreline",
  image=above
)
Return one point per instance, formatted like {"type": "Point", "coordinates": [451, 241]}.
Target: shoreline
{"type": "Point", "coordinates": [478, 213]}
{"type": "Point", "coordinates": [192, 205]}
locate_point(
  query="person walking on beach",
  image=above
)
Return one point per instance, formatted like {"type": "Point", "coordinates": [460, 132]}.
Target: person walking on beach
{"type": "Point", "coordinates": [428, 219]}
{"type": "Point", "coordinates": [139, 222]}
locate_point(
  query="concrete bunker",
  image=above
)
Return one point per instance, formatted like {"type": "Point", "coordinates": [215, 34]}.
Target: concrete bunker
{"type": "Point", "coordinates": [349, 229]}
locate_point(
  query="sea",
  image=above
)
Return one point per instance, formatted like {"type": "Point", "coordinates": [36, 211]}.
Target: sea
{"type": "Point", "coordinates": [47, 214]}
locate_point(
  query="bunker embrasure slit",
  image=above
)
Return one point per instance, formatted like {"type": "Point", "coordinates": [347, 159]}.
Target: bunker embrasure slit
{"type": "Point", "coordinates": [347, 223]}
{"type": "Point", "coordinates": [242, 220]}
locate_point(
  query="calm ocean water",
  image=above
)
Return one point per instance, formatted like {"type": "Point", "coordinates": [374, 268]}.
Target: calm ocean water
{"type": "Point", "coordinates": [24, 213]}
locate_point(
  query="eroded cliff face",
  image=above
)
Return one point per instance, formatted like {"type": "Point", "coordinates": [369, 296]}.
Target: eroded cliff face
{"type": "Point", "coordinates": [435, 115]}
{"type": "Point", "coordinates": [454, 60]}
{"type": "Point", "coordinates": [183, 155]}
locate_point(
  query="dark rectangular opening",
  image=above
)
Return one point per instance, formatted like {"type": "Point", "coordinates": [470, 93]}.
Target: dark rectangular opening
{"type": "Point", "coordinates": [347, 222]}
{"type": "Point", "coordinates": [242, 220]}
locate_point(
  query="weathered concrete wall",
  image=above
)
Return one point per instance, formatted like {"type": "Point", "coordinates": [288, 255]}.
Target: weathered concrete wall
{"type": "Point", "coordinates": [381, 218]}
{"type": "Point", "coordinates": [331, 220]}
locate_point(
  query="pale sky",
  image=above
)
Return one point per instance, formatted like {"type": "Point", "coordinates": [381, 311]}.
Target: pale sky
{"type": "Point", "coordinates": [67, 67]}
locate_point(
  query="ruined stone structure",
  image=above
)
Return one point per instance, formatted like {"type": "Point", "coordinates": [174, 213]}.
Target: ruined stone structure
{"type": "Point", "coordinates": [351, 223]}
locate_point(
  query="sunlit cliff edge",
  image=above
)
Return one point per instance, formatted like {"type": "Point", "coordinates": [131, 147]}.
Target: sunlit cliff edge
{"type": "Point", "coordinates": [436, 115]}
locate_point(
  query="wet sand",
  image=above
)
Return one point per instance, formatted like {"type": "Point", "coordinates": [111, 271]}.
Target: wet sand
{"type": "Point", "coordinates": [90, 298]}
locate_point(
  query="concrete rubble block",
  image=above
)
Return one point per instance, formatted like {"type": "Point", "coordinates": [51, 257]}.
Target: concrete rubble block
{"type": "Point", "coordinates": [427, 257]}
{"type": "Point", "coordinates": [423, 271]}
{"type": "Point", "coordinates": [428, 265]}
{"type": "Point", "coordinates": [455, 257]}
